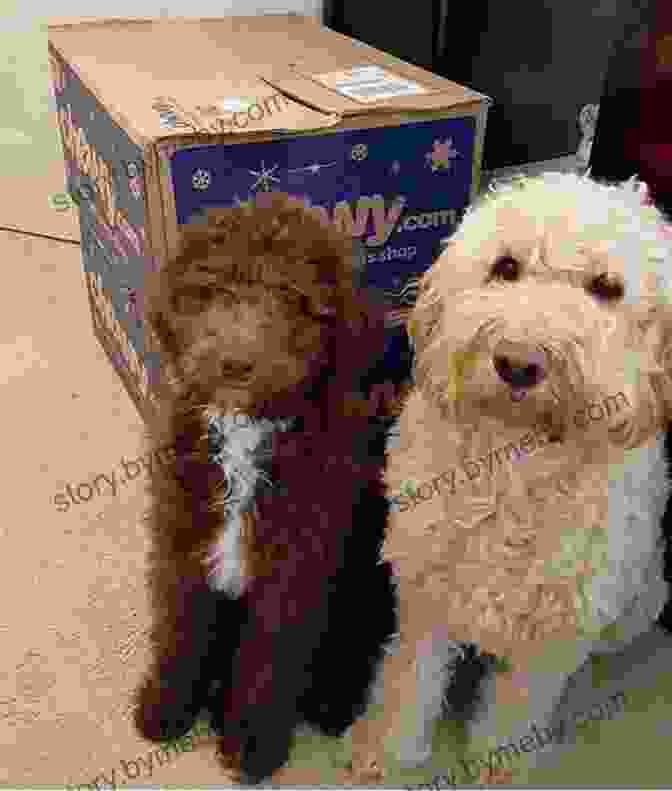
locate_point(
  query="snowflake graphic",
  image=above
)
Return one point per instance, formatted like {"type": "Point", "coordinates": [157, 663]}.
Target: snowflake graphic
{"type": "Point", "coordinates": [440, 158]}
{"type": "Point", "coordinates": [264, 177]}
{"type": "Point", "coordinates": [201, 179]}
{"type": "Point", "coordinates": [359, 152]}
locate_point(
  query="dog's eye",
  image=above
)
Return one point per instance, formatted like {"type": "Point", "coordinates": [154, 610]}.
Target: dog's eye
{"type": "Point", "coordinates": [505, 268]}
{"type": "Point", "coordinates": [606, 288]}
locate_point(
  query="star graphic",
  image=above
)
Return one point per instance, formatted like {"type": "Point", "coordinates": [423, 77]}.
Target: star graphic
{"type": "Point", "coordinates": [442, 154]}
{"type": "Point", "coordinates": [314, 168]}
{"type": "Point", "coordinates": [265, 177]}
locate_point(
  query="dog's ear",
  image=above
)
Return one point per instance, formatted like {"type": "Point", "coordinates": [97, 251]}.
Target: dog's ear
{"type": "Point", "coordinates": [657, 320]}
{"type": "Point", "coordinates": [424, 326]}
{"type": "Point", "coordinates": [658, 334]}
{"type": "Point", "coordinates": [424, 321]}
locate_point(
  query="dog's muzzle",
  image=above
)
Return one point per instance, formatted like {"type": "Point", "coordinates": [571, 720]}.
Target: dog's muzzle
{"type": "Point", "coordinates": [521, 365]}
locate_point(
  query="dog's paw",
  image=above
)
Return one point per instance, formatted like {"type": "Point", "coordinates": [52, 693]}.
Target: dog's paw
{"type": "Point", "coordinates": [163, 714]}
{"type": "Point", "coordinates": [265, 748]}
{"type": "Point", "coordinates": [334, 720]}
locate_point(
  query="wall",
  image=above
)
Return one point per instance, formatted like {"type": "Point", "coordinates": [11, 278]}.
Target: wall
{"type": "Point", "coordinates": [540, 60]}
{"type": "Point", "coordinates": [541, 64]}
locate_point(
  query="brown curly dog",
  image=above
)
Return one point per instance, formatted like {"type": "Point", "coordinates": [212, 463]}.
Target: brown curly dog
{"type": "Point", "coordinates": [265, 570]}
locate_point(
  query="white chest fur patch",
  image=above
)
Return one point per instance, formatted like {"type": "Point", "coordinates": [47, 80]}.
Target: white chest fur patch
{"type": "Point", "coordinates": [240, 447]}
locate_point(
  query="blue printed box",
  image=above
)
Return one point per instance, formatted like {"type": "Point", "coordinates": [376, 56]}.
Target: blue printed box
{"type": "Point", "coordinates": [386, 151]}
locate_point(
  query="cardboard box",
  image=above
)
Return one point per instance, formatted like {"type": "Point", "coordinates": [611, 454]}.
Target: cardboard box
{"type": "Point", "coordinates": [161, 118]}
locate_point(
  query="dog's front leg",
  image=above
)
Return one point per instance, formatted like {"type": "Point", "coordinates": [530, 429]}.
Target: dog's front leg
{"type": "Point", "coordinates": [288, 602]}
{"type": "Point", "coordinates": [436, 658]}
{"type": "Point", "coordinates": [177, 685]}
{"type": "Point", "coordinates": [271, 674]}
{"type": "Point", "coordinates": [195, 629]}
{"type": "Point", "coordinates": [399, 726]}
{"type": "Point", "coordinates": [516, 708]}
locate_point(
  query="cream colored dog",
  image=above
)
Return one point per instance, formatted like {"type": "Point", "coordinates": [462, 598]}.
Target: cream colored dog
{"type": "Point", "coordinates": [545, 457]}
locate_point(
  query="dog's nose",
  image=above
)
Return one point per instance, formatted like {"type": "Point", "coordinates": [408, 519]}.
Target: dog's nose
{"type": "Point", "coordinates": [519, 365]}
{"type": "Point", "coordinates": [231, 369]}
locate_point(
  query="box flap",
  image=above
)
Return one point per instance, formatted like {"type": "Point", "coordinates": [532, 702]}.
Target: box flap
{"type": "Point", "coordinates": [260, 109]}
{"type": "Point", "coordinates": [343, 75]}
{"type": "Point", "coordinates": [162, 78]}
{"type": "Point", "coordinates": [366, 88]}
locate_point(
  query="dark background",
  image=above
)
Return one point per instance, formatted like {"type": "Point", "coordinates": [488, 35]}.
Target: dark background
{"type": "Point", "coordinates": [539, 60]}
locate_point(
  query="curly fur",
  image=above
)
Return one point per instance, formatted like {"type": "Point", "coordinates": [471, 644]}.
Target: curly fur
{"type": "Point", "coordinates": [266, 533]}
{"type": "Point", "coordinates": [543, 557]}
